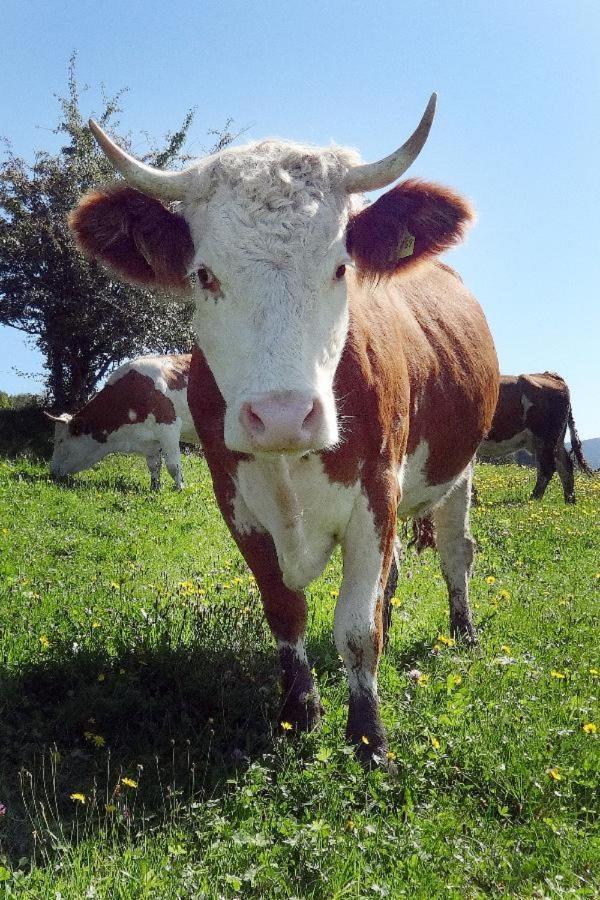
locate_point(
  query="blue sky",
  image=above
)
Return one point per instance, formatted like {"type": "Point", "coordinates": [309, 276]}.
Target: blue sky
{"type": "Point", "coordinates": [517, 129]}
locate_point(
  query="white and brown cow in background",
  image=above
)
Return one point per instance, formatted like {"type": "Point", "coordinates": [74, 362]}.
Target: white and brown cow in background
{"type": "Point", "coordinates": [342, 374]}
{"type": "Point", "coordinates": [142, 409]}
{"type": "Point", "coordinates": [533, 413]}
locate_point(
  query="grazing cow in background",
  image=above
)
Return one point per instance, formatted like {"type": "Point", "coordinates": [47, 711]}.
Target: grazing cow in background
{"type": "Point", "coordinates": [533, 414]}
{"type": "Point", "coordinates": [141, 409]}
{"type": "Point", "coordinates": [342, 375]}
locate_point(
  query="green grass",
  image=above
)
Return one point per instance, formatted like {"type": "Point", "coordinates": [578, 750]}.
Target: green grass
{"type": "Point", "coordinates": [128, 620]}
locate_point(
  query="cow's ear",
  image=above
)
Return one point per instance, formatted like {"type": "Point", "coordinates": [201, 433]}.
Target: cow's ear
{"type": "Point", "coordinates": [412, 221]}
{"type": "Point", "coordinates": [135, 235]}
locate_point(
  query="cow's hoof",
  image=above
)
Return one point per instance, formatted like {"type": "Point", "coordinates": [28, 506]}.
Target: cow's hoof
{"type": "Point", "coordinates": [376, 757]}
{"type": "Point", "coordinates": [302, 713]}
{"type": "Point", "coordinates": [464, 632]}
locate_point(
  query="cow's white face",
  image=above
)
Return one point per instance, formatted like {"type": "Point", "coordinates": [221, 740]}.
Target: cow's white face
{"type": "Point", "coordinates": [271, 307]}
{"type": "Point", "coordinates": [264, 229]}
{"type": "Point", "coordinates": [73, 453]}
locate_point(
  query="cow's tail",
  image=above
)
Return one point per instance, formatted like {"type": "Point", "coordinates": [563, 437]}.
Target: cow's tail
{"type": "Point", "coordinates": [576, 448]}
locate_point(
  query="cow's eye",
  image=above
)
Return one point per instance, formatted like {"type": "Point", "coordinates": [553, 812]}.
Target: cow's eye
{"type": "Point", "coordinates": [208, 281]}
{"type": "Point", "coordinates": [340, 272]}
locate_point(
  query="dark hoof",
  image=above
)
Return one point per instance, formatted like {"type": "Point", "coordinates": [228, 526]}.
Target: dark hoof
{"type": "Point", "coordinates": [302, 713]}
{"type": "Point", "coordinates": [375, 757]}
{"type": "Point", "coordinates": [464, 632]}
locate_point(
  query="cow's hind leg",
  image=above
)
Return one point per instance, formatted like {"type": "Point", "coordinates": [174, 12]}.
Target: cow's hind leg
{"type": "Point", "coordinates": [456, 549]}
{"type": "Point", "coordinates": [546, 467]}
{"type": "Point", "coordinates": [173, 463]}
{"type": "Point", "coordinates": [358, 629]}
{"type": "Point", "coordinates": [564, 467]}
{"type": "Point", "coordinates": [390, 590]}
{"type": "Point", "coordinates": [154, 461]}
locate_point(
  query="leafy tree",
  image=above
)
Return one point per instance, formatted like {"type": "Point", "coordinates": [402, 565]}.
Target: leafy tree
{"type": "Point", "coordinates": [82, 320]}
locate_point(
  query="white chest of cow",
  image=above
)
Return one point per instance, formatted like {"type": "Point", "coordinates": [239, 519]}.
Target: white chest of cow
{"type": "Point", "coordinates": [295, 501]}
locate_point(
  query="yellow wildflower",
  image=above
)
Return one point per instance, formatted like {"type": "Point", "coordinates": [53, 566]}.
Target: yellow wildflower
{"type": "Point", "coordinates": [490, 579]}
{"type": "Point", "coordinates": [101, 677]}
{"type": "Point", "coordinates": [595, 672]}
{"type": "Point", "coordinates": [435, 743]}
{"type": "Point", "coordinates": [350, 825]}
{"type": "Point", "coordinates": [590, 728]}
{"type": "Point", "coordinates": [129, 782]}
{"type": "Point", "coordinates": [554, 774]}
{"type": "Point", "coordinates": [287, 726]}
{"type": "Point", "coordinates": [115, 585]}
{"type": "Point", "coordinates": [505, 648]}
{"type": "Point", "coordinates": [504, 594]}
{"type": "Point", "coordinates": [95, 624]}
{"type": "Point", "coordinates": [455, 679]}
{"type": "Point", "coordinates": [390, 755]}
{"type": "Point", "coordinates": [365, 739]}
{"type": "Point", "coordinates": [423, 680]}
{"type": "Point", "coordinates": [77, 797]}
{"type": "Point", "coordinates": [396, 601]}
{"type": "Point", "coordinates": [96, 739]}
{"type": "Point", "coordinates": [44, 642]}
{"type": "Point", "coordinates": [560, 676]}
{"type": "Point", "coordinates": [446, 641]}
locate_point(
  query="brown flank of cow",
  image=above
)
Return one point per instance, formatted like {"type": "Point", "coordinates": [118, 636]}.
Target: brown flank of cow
{"type": "Point", "coordinates": [108, 410]}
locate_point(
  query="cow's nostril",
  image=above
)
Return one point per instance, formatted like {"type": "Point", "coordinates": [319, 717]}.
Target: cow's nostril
{"type": "Point", "coordinates": [255, 422]}
{"type": "Point", "coordinates": [310, 419]}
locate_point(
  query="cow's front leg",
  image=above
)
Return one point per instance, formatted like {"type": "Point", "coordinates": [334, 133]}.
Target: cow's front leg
{"type": "Point", "coordinates": [286, 614]}
{"type": "Point", "coordinates": [359, 627]}
{"type": "Point", "coordinates": [456, 549]}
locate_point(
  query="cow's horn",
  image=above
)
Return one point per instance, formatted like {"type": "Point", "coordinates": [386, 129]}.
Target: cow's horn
{"type": "Point", "coordinates": [155, 182]}
{"type": "Point", "coordinates": [373, 176]}
{"type": "Point", "coordinates": [64, 417]}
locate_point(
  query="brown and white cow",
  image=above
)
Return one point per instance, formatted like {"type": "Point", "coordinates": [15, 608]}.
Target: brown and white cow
{"type": "Point", "coordinates": [533, 414]}
{"type": "Point", "coordinates": [342, 375]}
{"type": "Point", "coordinates": [142, 409]}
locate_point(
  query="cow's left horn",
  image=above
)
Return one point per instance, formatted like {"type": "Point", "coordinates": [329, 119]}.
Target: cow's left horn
{"type": "Point", "coordinates": [155, 182]}
{"type": "Point", "coordinates": [373, 176]}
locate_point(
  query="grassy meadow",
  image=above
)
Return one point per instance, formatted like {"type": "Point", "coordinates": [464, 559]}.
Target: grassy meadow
{"type": "Point", "coordinates": [140, 752]}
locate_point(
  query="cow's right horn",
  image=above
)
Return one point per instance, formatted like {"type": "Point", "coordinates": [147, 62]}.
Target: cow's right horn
{"type": "Point", "coordinates": [154, 182]}
{"type": "Point", "coordinates": [372, 176]}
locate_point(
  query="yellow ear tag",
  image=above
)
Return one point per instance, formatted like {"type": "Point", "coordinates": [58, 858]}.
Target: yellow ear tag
{"type": "Point", "coordinates": [406, 246]}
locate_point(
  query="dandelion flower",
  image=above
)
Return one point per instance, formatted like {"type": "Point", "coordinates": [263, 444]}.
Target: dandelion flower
{"type": "Point", "coordinates": [435, 743]}
{"type": "Point", "coordinates": [595, 672]}
{"type": "Point", "coordinates": [554, 774]}
{"type": "Point", "coordinates": [95, 624]}
{"type": "Point", "coordinates": [396, 601]}
{"type": "Point", "coordinates": [504, 594]}
{"type": "Point", "coordinates": [96, 739]}
{"type": "Point", "coordinates": [446, 641]}
{"type": "Point", "coordinates": [287, 726]}
{"type": "Point", "coordinates": [423, 680]}
{"type": "Point", "coordinates": [590, 728]}
{"type": "Point", "coordinates": [390, 755]}
{"type": "Point", "coordinates": [490, 579]}
{"type": "Point", "coordinates": [560, 676]}
{"type": "Point", "coordinates": [44, 642]}
{"type": "Point", "coordinates": [77, 797]}
{"type": "Point", "coordinates": [505, 648]}
{"type": "Point", "coordinates": [129, 782]}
